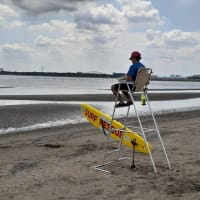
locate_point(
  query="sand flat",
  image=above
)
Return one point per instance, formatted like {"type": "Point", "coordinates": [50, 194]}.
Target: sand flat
{"type": "Point", "coordinates": [57, 163]}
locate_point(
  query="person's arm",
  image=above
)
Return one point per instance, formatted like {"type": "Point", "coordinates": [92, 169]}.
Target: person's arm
{"type": "Point", "coordinates": [128, 78]}
{"type": "Point", "coordinates": [125, 78]}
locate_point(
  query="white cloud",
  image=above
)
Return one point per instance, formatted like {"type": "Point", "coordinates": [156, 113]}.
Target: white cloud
{"type": "Point", "coordinates": [101, 23]}
{"type": "Point", "coordinates": [173, 39]}
{"type": "Point", "coordinates": [16, 24]}
{"type": "Point", "coordinates": [174, 51]}
{"type": "Point", "coordinates": [41, 27]}
{"type": "Point", "coordinates": [104, 15]}
{"type": "Point", "coordinates": [140, 12]}
{"type": "Point", "coordinates": [16, 51]}
{"type": "Point", "coordinates": [9, 18]}
{"type": "Point", "coordinates": [44, 41]}
{"type": "Point", "coordinates": [57, 26]}
{"type": "Point", "coordinates": [6, 11]}
{"type": "Point", "coordinates": [97, 25]}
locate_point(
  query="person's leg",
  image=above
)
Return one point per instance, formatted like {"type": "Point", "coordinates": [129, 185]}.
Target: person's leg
{"type": "Point", "coordinates": [114, 89]}
{"type": "Point", "coordinates": [127, 95]}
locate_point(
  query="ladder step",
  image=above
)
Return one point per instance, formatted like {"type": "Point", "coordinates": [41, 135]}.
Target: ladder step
{"type": "Point", "coordinates": [144, 129]}
{"type": "Point", "coordinates": [109, 152]}
{"type": "Point", "coordinates": [114, 141]}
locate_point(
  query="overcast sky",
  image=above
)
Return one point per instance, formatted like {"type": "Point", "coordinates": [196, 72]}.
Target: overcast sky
{"type": "Point", "coordinates": [99, 35]}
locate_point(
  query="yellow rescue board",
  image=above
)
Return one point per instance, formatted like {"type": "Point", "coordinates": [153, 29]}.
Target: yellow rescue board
{"type": "Point", "coordinates": [102, 121]}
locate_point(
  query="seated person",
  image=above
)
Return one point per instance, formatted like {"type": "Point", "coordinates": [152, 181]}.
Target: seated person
{"type": "Point", "coordinates": [131, 76]}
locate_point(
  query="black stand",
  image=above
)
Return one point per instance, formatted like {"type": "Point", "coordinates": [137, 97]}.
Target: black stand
{"type": "Point", "coordinates": [134, 145]}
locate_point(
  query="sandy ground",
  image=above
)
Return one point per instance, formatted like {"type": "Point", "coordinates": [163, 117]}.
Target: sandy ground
{"type": "Point", "coordinates": [57, 163]}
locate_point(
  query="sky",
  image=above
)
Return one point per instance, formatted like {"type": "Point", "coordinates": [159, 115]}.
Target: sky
{"type": "Point", "coordinates": [99, 35]}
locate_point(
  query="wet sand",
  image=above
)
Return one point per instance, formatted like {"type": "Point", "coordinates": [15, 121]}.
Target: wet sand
{"type": "Point", "coordinates": [57, 163]}
{"type": "Point", "coordinates": [102, 97]}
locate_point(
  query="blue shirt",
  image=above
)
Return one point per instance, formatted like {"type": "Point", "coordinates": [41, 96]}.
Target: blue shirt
{"type": "Point", "coordinates": [134, 69]}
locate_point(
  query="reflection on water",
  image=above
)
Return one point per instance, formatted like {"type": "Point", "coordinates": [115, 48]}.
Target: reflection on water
{"type": "Point", "coordinates": [16, 85]}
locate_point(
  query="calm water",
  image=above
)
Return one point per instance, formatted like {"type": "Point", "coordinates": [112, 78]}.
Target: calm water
{"type": "Point", "coordinates": [66, 85]}
{"type": "Point", "coordinates": [30, 115]}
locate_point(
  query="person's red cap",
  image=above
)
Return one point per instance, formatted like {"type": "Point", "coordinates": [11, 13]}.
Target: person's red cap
{"type": "Point", "coordinates": [135, 54]}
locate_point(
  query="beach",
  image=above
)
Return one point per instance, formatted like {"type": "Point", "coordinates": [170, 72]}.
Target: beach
{"type": "Point", "coordinates": [57, 162]}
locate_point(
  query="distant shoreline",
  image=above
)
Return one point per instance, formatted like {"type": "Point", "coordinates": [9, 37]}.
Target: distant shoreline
{"type": "Point", "coordinates": [195, 78]}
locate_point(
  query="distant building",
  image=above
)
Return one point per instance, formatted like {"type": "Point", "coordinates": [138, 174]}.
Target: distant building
{"type": "Point", "coordinates": [195, 77]}
{"type": "Point", "coordinates": [175, 76]}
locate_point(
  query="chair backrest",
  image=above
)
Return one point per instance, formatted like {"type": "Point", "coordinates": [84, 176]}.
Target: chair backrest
{"type": "Point", "coordinates": [142, 79]}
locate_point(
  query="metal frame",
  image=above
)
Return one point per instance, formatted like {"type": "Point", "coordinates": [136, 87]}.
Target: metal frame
{"type": "Point", "coordinates": [106, 152]}
{"type": "Point", "coordinates": [142, 89]}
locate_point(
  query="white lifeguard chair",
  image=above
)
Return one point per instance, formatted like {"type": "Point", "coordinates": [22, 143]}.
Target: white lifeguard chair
{"type": "Point", "coordinates": [138, 87]}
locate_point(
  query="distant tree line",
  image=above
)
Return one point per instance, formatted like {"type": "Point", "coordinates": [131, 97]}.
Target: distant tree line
{"type": "Point", "coordinates": [63, 74]}
{"type": "Point", "coordinates": [95, 75]}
